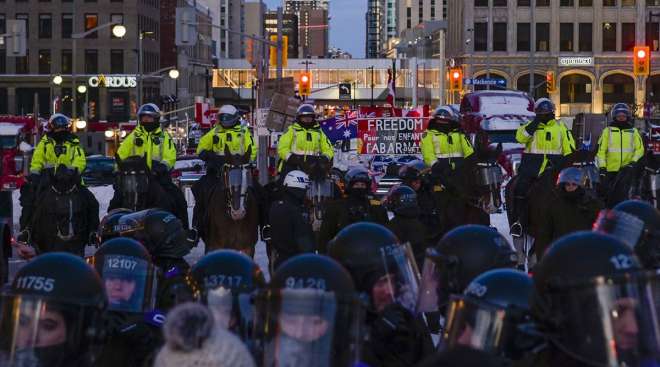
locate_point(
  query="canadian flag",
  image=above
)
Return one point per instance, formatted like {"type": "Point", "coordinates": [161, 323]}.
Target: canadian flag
{"type": "Point", "coordinates": [390, 88]}
{"type": "Point", "coordinates": [205, 115]}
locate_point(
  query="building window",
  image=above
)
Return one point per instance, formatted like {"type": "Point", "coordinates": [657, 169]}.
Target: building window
{"type": "Point", "coordinates": [91, 62]}
{"type": "Point", "coordinates": [44, 61]}
{"type": "Point", "coordinates": [3, 24]}
{"type": "Point", "coordinates": [408, 17]}
{"type": "Point", "coordinates": [23, 64]}
{"type": "Point", "coordinates": [609, 2]}
{"type": "Point", "coordinates": [116, 61]}
{"type": "Point", "coordinates": [500, 3]}
{"type": "Point", "coordinates": [499, 36]}
{"type": "Point", "coordinates": [91, 22]}
{"type": "Point", "coordinates": [523, 36]}
{"type": "Point", "coordinates": [586, 3]}
{"type": "Point", "coordinates": [481, 36]}
{"type": "Point", "coordinates": [543, 3]}
{"type": "Point", "coordinates": [609, 36]}
{"type": "Point", "coordinates": [25, 17]}
{"type": "Point", "coordinates": [481, 3]}
{"type": "Point", "coordinates": [627, 36]}
{"type": "Point", "coordinates": [566, 3]}
{"type": "Point", "coordinates": [566, 37]}
{"type": "Point", "coordinates": [524, 2]}
{"type": "Point", "coordinates": [542, 37]}
{"type": "Point", "coordinates": [3, 62]}
{"type": "Point", "coordinates": [67, 25]}
{"type": "Point", "coordinates": [653, 36]}
{"type": "Point", "coordinates": [117, 18]}
{"type": "Point", "coordinates": [586, 37]}
{"type": "Point", "coordinates": [67, 62]}
{"type": "Point", "coordinates": [45, 26]}
{"type": "Point", "coordinates": [629, 3]}
{"type": "Point", "coordinates": [420, 8]}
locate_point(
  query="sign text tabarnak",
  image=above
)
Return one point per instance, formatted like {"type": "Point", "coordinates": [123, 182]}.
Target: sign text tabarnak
{"type": "Point", "coordinates": [396, 135]}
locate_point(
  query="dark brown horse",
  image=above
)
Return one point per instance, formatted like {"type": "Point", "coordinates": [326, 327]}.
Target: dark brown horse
{"type": "Point", "coordinates": [233, 210]}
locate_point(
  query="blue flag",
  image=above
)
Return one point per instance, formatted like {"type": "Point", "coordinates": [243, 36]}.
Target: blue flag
{"type": "Point", "coordinates": [340, 128]}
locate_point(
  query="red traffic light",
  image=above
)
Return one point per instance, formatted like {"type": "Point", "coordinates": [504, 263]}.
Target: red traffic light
{"type": "Point", "coordinates": [304, 78]}
{"type": "Point", "coordinates": [641, 53]}
{"type": "Point", "coordinates": [456, 75]}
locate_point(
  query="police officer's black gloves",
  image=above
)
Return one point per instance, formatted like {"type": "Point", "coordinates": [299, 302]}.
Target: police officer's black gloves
{"type": "Point", "coordinates": [395, 337]}
{"type": "Point", "coordinates": [205, 155]}
{"type": "Point", "coordinates": [159, 168]}
{"type": "Point", "coordinates": [532, 126]}
{"type": "Point", "coordinates": [295, 159]}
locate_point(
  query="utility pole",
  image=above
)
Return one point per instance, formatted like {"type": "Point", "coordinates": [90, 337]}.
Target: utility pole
{"type": "Point", "coordinates": [532, 50]}
{"type": "Point", "coordinates": [442, 67]}
{"type": "Point", "coordinates": [489, 39]}
{"type": "Point", "coordinates": [280, 20]}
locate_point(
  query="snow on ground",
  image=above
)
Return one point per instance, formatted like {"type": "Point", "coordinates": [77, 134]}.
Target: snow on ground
{"type": "Point", "coordinates": [104, 194]}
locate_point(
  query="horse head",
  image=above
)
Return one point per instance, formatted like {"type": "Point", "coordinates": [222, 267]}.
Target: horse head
{"type": "Point", "coordinates": [486, 178]}
{"type": "Point", "coordinates": [317, 167]}
{"type": "Point", "coordinates": [134, 181]}
{"type": "Point", "coordinates": [64, 184]}
{"type": "Point", "coordinates": [585, 160]}
{"type": "Point", "coordinates": [64, 180]}
{"type": "Point", "coordinates": [238, 178]}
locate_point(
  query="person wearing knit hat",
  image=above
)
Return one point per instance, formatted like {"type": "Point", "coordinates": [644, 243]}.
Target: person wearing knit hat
{"type": "Point", "coordinates": [192, 339]}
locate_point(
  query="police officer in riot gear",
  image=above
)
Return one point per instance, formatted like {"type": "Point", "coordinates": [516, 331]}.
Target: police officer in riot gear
{"type": "Point", "coordinates": [406, 223]}
{"type": "Point", "coordinates": [546, 141]}
{"type": "Point", "coordinates": [302, 140]}
{"type": "Point", "coordinates": [358, 206]}
{"type": "Point", "coordinates": [310, 315]}
{"type": "Point", "coordinates": [291, 227]}
{"type": "Point", "coordinates": [600, 312]}
{"type": "Point", "coordinates": [150, 141]}
{"type": "Point", "coordinates": [637, 224]}
{"type": "Point", "coordinates": [52, 314]}
{"type": "Point", "coordinates": [385, 273]}
{"type": "Point", "coordinates": [107, 228]}
{"type": "Point", "coordinates": [227, 280]}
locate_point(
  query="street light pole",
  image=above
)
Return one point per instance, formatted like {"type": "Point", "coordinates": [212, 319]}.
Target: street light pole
{"type": "Point", "coordinates": [139, 91]}
{"type": "Point", "coordinates": [372, 84]}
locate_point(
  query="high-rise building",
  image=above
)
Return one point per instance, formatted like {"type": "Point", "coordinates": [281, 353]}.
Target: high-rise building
{"type": "Point", "coordinates": [289, 29]}
{"type": "Point", "coordinates": [295, 6]}
{"type": "Point", "coordinates": [313, 36]}
{"type": "Point", "coordinates": [410, 13]}
{"type": "Point", "coordinates": [375, 28]}
{"type": "Point", "coordinates": [255, 12]}
{"type": "Point", "coordinates": [232, 15]}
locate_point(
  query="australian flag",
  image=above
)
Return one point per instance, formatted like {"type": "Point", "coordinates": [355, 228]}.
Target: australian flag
{"type": "Point", "coordinates": [341, 128]}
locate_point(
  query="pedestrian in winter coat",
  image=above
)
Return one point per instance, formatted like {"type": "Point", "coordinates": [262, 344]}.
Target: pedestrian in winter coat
{"type": "Point", "coordinates": [573, 210]}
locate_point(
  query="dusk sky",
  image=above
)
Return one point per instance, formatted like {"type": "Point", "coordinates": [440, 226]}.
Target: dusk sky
{"type": "Point", "coordinates": [347, 27]}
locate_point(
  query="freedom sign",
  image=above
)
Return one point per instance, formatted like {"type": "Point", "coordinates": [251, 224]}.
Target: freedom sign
{"type": "Point", "coordinates": [391, 135]}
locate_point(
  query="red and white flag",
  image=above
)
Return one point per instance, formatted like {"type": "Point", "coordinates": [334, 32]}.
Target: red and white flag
{"type": "Point", "coordinates": [390, 88]}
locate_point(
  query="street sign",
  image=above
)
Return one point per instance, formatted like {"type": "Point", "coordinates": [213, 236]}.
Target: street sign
{"type": "Point", "coordinates": [345, 91]}
{"type": "Point", "coordinates": [484, 81]}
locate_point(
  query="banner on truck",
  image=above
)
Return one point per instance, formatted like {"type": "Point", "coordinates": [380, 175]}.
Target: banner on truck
{"type": "Point", "coordinates": [391, 135]}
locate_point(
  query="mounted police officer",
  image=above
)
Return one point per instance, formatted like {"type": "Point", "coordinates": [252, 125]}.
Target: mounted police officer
{"type": "Point", "coordinates": [301, 140]}
{"type": "Point", "coordinates": [150, 141]}
{"type": "Point", "coordinates": [546, 141]}
{"type": "Point", "coordinates": [444, 142]}
{"type": "Point", "coordinates": [620, 145]}
{"type": "Point", "coordinates": [228, 136]}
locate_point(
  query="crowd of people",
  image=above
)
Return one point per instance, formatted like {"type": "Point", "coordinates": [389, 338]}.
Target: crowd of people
{"type": "Point", "coordinates": [375, 284]}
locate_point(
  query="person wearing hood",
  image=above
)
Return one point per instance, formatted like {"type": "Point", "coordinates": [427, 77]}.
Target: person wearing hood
{"type": "Point", "coordinates": [57, 148]}
{"type": "Point", "coordinates": [619, 146]}
{"type": "Point", "coordinates": [573, 209]}
{"type": "Point", "coordinates": [358, 206]}
{"type": "Point", "coordinates": [291, 228]}
{"type": "Point", "coordinates": [406, 223]}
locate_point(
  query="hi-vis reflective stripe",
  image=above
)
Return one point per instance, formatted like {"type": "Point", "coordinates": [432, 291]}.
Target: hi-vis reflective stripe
{"type": "Point", "coordinates": [294, 143]}
{"type": "Point", "coordinates": [437, 148]}
{"type": "Point", "coordinates": [631, 149]}
{"type": "Point", "coordinates": [534, 148]}
{"type": "Point", "coordinates": [242, 132]}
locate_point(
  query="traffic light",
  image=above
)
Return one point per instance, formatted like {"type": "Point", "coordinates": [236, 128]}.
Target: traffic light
{"type": "Point", "coordinates": [305, 83]}
{"type": "Point", "coordinates": [550, 81]}
{"type": "Point", "coordinates": [641, 61]}
{"type": "Point", "coordinates": [456, 79]}
{"type": "Point", "coordinates": [273, 51]}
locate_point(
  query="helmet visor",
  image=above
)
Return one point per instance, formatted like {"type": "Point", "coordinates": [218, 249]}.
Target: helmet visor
{"type": "Point", "coordinates": [308, 327]}
{"type": "Point", "coordinates": [228, 120]}
{"type": "Point", "coordinates": [130, 284]}
{"type": "Point", "coordinates": [37, 332]}
{"type": "Point", "coordinates": [232, 310]}
{"type": "Point", "coordinates": [320, 190]}
{"type": "Point", "coordinates": [480, 326]}
{"type": "Point", "coordinates": [611, 321]}
{"type": "Point", "coordinates": [396, 280]}
{"type": "Point", "coordinates": [624, 226]}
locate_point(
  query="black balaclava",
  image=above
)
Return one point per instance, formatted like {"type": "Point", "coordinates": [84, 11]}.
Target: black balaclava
{"type": "Point", "coordinates": [59, 136]}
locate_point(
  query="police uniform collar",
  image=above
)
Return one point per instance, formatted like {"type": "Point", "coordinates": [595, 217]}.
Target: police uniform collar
{"type": "Point", "coordinates": [142, 130]}
{"type": "Point", "coordinates": [297, 126]}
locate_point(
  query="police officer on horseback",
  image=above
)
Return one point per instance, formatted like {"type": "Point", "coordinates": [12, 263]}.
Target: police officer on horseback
{"type": "Point", "coordinates": [57, 149]}
{"type": "Point", "coordinates": [444, 143]}
{"type": "Point", "coordinates": [150, 141]}
{"type": "Point", "coordinates": [619, 146]}
{"type": "Point", "coordinates": [301, 140]}
{"type": "Point", "coordinates": [546, 141]}
{"type": "Point", "coordinates": [228, 136]}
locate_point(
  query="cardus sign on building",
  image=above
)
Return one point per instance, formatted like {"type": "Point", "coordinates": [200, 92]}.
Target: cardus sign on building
{"type": "Point", "coordinates": [390, 135]}
{"type": "Point", "coordinates": [113, 81]}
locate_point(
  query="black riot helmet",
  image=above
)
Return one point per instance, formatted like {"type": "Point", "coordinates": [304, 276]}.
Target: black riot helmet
{"type": "Point", "coordinates": [488, 314]}
{"type": "Point", "coordinates": [355, 175]}
{"type": "Point", "coordinates": [309, 315]}
{"type": "Point", "coordinates": [107, 228]}
{"type": "Point", "coordinates": [161, 232]}
{"type": "Point", "coordinates": [402, 200]}
{"type": "Point", "coordinates": [412, 171]}
{"type": "Point", "coordinates": [227, 280]}
{"type": "Point", "coordinates": [51, 314]}
{"type": "Point", "coordinates": [461, 255]}
{"type": "Point", "coordinates": [595, 303]}
{"type": "Point", "coordinates": [306, 115]}
{"type": "Point", "coordinates": [176, 286]}
{"type": "Point", "coordinates": [374, 257]}
{"type": "Point", "coordinates": [637, 224]}
{"type": "Point", "coordinates": [129, 277]}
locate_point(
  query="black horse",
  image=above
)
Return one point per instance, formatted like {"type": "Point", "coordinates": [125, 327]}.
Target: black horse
{"type": "Point", "coordinates": [472, 191]}
{"type": "Point", "coordinates": [137, 189]}
{"type": "Point", "coordinates": [64, 215]}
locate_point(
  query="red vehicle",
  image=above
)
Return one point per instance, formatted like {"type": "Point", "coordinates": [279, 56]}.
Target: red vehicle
{"type": "Point", "coordinates": [494, 116]}
{"type": "Point", "coordinates": [16, 136]}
